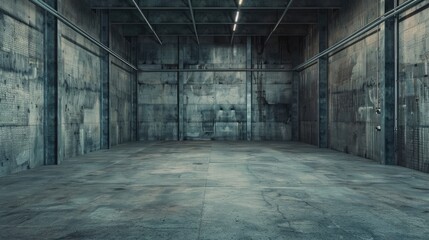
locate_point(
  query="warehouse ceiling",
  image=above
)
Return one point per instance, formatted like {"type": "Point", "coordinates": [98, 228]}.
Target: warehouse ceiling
{"type": "Point", "coordinates": [214, 17]}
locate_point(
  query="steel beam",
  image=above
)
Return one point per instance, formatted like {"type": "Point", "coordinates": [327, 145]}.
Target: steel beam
{"type": "Point", "coordinates": [388, 152]}
{"type": "Point", "coordinates": [279, 21]}
{"type": "Point", "coordinates": [213, 8]}
{"type": "Point", "coordinates": [180, 92]}
{"type": "Point", "coordinates": [64, 20]}
{"type": "Point", "coordinates": [249, 89]}
{"type": "Point", "coordinates": [134, 86]}
{"type": "Point", "coordinates": [323, 80]}
{"type": "Point", "coordinates": [193, 21]}
{"type": "Point", "coordinates": [145, 19]}
{"type": "Point", "coordinates": [51, 86]}
{"type": "Point", "coordinates": [105, 82]}
{"type": "Point", "coordinates": [388, 15]}
{"type": "Point", "coordinates": [218, 70]}
{"type": "Point", "coordinates": [213, 23]}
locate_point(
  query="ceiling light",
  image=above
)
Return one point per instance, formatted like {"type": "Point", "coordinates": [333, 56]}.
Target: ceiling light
{"type": "Point", "coordinates": [235, 27]}
{"type": "Point", "coordinates": [240, 2]}
{"type": "Point", "coordinates": [236, 16]}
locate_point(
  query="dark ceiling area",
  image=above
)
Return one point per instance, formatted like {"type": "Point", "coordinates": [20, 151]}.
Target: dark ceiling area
{"type": "Point", "coordinates": [215, 17]}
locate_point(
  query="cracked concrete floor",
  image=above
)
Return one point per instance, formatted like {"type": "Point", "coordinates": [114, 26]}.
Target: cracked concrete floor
{"type": "Point", "coordinates": [215, 190]}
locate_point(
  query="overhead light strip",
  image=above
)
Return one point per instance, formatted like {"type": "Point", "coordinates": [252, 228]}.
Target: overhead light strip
{"type": "Point", "coordinates": [237, 17]}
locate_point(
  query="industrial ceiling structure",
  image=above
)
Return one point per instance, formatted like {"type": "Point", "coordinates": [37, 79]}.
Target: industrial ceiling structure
{"type": "Point", "coordinates": [214, 17]}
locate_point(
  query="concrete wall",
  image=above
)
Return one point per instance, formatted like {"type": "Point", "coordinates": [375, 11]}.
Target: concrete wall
{"type": "Point", "coordinates": [272, 91]}
{"type": "Point", "coordinates": [157, 92]}
{"type": "Point", "coordinates": [308, 91]}
{"type": "Point", "coordinates": [21, 86]}
{"type": "Point", "coordinates": [356, 86]}
{"type": "Point", "coordinates": [413, 105]}
{"type": "Point", "coordinates": [214, 105]}
{"type": "Point", "coordinates": [353, 83]}
{"type": "Point", "coordinates": [79, 81]}
{"type": "Point", "coordinates": [122, 90]}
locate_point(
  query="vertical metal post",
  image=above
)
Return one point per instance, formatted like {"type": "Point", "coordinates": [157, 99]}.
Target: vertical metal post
{"type": "Point", "coordinates": [180, 97]}
{"type": "Point", "coordinates": [388, 111]}
{"type": "Point", "coordinates": [134, 86]}
{"type": "Point", "coordinates": [295, 106]}
{"type": "Point", "coordinates": [249, 89]}
{"type": "Point", "coordinates": [51, 123]}
{"type": "Point", "coordinates": [323, 80]}
{"type": "Point", "coordinates": [396, 82]}
{"type": "Point", "coordinates": [105, 82]}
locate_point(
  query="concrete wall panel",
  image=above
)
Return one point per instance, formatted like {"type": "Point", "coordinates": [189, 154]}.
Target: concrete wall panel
{"type": "Point", "coordinates": [21, 87]}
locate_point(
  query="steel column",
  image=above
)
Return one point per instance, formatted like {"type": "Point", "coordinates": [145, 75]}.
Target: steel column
{"type": "Point", "coordinates": [105, 82]}
{"type": "Point", "coordinates": [51, 87]}
{"type": "Point", "coordinates": [388, 110]}
{"type": "Point", "coordinates": [249, 89]}
{"type": "Point", "coordinates": [323, 80]}
{"type": "Point", "coordinates": [134, 81]}
{"type": "Point", "coordinates": [180, 89]}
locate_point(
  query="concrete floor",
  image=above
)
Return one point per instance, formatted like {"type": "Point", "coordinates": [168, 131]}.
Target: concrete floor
{"type": "Point", "coordinates": [215, 190]}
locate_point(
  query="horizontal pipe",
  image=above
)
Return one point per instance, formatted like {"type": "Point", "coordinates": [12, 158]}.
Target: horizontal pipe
{"type": "Point", "coordinates": [397, 10]}
{"type": "Point", "coordinates": [219, 70]}
{"type": "Point", "coordinates": [64, 20]}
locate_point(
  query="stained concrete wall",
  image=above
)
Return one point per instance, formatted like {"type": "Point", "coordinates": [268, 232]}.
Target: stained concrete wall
{"type": "Point", "coordinates": [215, 102]}
{"type": "Point", "coordinates": [122, 90]}
{"type": "Point", "coordinates": [21, 86]}
{"type": "Point", "coordinates": [354, 84]}
{"type": "Point", "coordinates": [214, 105]}
{"type": "Point", "coordinates": [157, 91]}
{"type": "Point", "coordinates": [308, 91]}
{"type": "Point", "coordinates": [22, 80]}
{"type": "Point", "coordinates": [413, 104]}
{"type": "Point", "coordinates": [79, 81]}
{"type": "Point", "coordinates": [272, 91]}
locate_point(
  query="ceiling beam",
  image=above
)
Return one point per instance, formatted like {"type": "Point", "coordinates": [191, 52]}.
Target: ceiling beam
{"type": "Point", "coordinates": [212, 23]}
{"type": "Point", "coordinates": [193, 21]}
{"type": "Point", "coordinates": [145, 19]}
{"type": "Point", "coordinates": [315, 7]}
{"type": "Point", "coordinates": [279, 21]}
{"type": "Point", "coordinates": [213, 18]}
{"type": "Point", "coordinates": [225, 30]}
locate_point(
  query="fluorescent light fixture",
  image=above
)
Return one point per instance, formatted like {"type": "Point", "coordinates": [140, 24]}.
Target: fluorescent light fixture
{"type": "Point", "coordinates": [240, 2]}
{"type": "Point", "coordinates": [237, 15]}
{"type": "Point", "coordinates": [235, 27]}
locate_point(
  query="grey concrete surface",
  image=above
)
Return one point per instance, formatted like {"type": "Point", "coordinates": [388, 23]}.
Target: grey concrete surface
{"type": "Point", "coordinates": [215, 190]}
